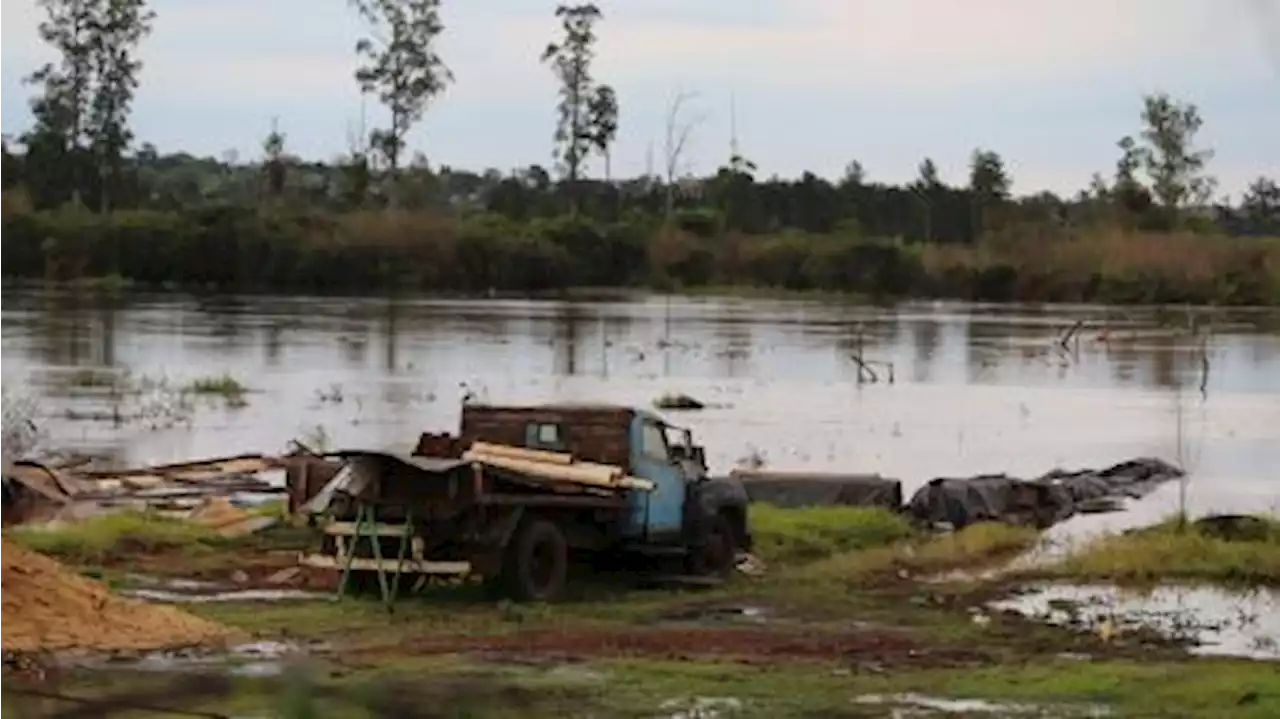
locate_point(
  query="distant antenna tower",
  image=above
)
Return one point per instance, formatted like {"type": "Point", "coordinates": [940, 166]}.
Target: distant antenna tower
{"type": "Point", "coordinates": [733, 126]}
{"type": "Point", "coordinates": [648, 162]}
{"type": "Point", "coordinates": [364, 120]}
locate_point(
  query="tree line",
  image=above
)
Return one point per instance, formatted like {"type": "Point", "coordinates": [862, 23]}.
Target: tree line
{"type": "Point", "coordinates": [77, 171]}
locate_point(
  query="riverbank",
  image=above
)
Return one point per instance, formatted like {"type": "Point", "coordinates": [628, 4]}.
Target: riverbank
{"type": "Point", "coordinates": [243, 249]}
{"type": "Point", "coordinates": [851, 613]}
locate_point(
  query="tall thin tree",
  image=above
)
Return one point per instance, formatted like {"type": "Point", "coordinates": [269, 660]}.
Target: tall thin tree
{"type": "Point", "coordinates": [400, 67]}
{"type": "Point", "coordinates": [55, 144]}
{"type": "Point", "coordinates": [118, 28]}
{"type": "Point", "coordinates": [570, 59]}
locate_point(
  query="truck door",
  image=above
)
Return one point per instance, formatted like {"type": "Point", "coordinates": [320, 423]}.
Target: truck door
{"type": "Point", "coordinates": [659, 514]}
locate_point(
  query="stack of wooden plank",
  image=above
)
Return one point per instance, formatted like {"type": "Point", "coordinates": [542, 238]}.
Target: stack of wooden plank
{"type": "Point", "coordinates": [554, 466]}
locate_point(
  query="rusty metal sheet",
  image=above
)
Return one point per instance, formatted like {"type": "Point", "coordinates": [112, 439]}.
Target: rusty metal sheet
{"type": "Point", "coordinates": [39, 480]}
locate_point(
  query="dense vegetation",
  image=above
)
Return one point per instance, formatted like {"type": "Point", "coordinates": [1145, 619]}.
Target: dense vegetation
{"type": "Point", "coordinates": [80, 202]}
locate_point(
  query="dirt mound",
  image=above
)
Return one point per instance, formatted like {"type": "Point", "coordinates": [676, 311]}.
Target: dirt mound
{"type": "Point", "coordinates": [47, 607]}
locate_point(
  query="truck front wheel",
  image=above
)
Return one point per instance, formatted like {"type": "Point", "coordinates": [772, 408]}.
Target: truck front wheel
{"type": "Point", "coordinates": [713, 551]}
{"type": "Point", "coordinates": [536, 562]}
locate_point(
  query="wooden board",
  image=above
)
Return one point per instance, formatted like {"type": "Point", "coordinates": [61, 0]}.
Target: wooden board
{"type": "Point", "coordinates": [583, 473]}
{"type": "Point", "coordinates": [533, 455]}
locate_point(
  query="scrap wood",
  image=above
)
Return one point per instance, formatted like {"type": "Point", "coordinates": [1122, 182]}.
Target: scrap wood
{"type": "Point", "coordinates": [585, 473]}
{"type": "Point", "coordinates": [533, 455]}
{"type": "Point", "coordinates": [216, 512]}
{"type": "Point", "coordinates": [239, 464]}
{"type": "Point", "coordinates": [38, 480]}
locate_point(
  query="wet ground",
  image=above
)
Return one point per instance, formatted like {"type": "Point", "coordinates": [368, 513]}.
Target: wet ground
{"type": "Point", "coordinates": [975, 388]}
{"type": "Point", "coordinates": [1211, 620]}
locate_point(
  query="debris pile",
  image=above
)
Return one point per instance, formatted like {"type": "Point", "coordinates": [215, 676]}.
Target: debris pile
{"type": "Point", "coordinates": [39, 492]}
{"type": "Point", "coordinates": [1044, 501]}
{"type": "Point", "coordinates": [48, 608]}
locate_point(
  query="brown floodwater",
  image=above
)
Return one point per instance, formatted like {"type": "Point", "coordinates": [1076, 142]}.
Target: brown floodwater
{"type": "Point", "coordinates": [976, 388]}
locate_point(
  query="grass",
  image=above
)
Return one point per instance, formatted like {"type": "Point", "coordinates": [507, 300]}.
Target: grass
{"type": "Point", "coordinates": [1178, 550]}
{"type": "Point", "coordinates": [113, 535]}
{"type": "Point", "coordinates": [89, 378]}
{"type": "Point", "coordinates": [790, 536]}
{"type": "Point", "coordinates": [224, 385]}
{"type": "Point", "coordinates": [131, 535]}
{"type": "Point", "coordinates": [973, 546]}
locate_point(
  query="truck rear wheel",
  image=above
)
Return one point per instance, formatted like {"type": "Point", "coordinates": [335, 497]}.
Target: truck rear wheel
{"type": "Point", "coordinates": [536, 562]}
{"type": "Point", "coordinates": [713, 550]}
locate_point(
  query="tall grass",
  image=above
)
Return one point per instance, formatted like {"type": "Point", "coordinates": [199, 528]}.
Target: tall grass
{"type": "Point", "coordinates": [1175, 549]}
{"type": "Point", "coordinates": [789, 536]}
{"type": "Point", "coordinates": [971, 547]}
{"type": "Point", "coordinates": [111, 535]}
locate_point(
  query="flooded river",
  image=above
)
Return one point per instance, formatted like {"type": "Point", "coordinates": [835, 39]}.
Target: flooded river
{"type": "Point", "coordinates": [975, 388]}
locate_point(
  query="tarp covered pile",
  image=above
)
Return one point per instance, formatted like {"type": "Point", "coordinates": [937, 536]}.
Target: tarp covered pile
{"type": "Point", "coordinates": [1044, 501]}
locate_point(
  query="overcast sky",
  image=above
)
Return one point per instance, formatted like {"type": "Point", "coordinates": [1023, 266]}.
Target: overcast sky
{"type": "Point", "coordinates": [1050, 84]}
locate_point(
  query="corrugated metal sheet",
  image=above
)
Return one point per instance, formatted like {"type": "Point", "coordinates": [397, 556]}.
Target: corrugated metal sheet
{"type": "Point", "coordinates": [430, 465]}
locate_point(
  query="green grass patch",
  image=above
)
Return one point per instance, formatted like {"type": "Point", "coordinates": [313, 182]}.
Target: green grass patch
{"type": "Point", "coordinates": [116, 536]}
{"type": "Point", "coordinates": [789, 536]}
{"type": "Point", "coordinates": [90, 377]}
{"type": "Point", "coordinates": [974, 546]}
{"type": "Point", "coordinates": [223, 385]}
{"type": "Point", "coordinates": [1244, 552]}
{"type": "Point", "coordinates": [113, 535]}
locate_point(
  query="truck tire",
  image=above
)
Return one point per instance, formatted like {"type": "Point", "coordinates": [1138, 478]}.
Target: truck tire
{"type": "Point", "coordinates": [713, 552]}
{"type": "Point", "coordinates": [536, 562]}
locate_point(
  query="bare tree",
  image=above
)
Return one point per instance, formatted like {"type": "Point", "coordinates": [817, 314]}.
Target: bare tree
{"type": "Point", "coordinates": [679, 130]}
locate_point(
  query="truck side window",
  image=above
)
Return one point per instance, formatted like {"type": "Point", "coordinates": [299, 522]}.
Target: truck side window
{"type": "Point", "coordinates": [543, 435]}
{"type": "Point", "coordinates": [654, 442]}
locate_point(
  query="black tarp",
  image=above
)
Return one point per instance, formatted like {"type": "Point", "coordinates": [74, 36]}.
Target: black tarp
{"type": "Point", "coordinates": [1043, 501]}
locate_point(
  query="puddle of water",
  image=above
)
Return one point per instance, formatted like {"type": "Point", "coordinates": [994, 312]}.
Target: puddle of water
{"type": "Point", "coordinates": [238, 595]}
{"type": "Point", "coordinates": [923, 705]}
{"type": "Point", "coordinates": [1214, 621]}
{"type": "Point", "coordinates": [254, 659]}
{"type": "Point", "coordinates": [173, 584]}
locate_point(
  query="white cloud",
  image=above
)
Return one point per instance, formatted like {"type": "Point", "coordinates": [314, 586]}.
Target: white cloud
{"type": "Point", "coordinates": [818, 81]}
{"type": "Point", "coordinates": [911, 45]}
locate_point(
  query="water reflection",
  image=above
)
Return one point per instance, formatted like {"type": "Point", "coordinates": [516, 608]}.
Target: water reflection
{"type": "Point", "coordinates": [924, 339]}
{"type": "Point", "coordinates": [979, 388]}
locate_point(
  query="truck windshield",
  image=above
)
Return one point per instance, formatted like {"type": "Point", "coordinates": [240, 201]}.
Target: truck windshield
{"type": "Point", "coordinates": [680, 440]}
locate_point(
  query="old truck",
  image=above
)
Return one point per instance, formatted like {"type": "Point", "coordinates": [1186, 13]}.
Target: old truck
{"type": "Point", "coordinates": [522, 493]}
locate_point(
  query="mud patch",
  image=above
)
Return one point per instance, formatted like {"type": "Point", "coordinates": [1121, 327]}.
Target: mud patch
{"type": "Point", "coordinates": [720, 614]}
{"type": "Point", "coordinates": [921, 705]}
{"type": "Point", "coordinates": [254, 659]}
{"type": "Point", "coordinates": [1211, 621]}
{"type": "Point", "coordinates": [745, 644]}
